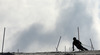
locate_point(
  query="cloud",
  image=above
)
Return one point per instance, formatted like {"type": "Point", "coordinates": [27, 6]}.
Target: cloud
{"type": "Point", "coordinates": [24, 14]}
{"type": "Point", "coordinates": [33, 35]}
{"type": "Point", "coordinates": [37, 25]}
{"type": "Point", "coordinates": [72, 17]}
{"type": "Point", "coordinates": [69, 19]}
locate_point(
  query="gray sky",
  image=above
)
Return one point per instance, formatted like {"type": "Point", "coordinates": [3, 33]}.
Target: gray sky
{"type": "Point", "coordinates": [36, 25]}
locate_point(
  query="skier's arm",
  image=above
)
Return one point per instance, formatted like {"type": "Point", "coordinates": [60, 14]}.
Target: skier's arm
{"type": "Point", "coordinates": [73, 46]}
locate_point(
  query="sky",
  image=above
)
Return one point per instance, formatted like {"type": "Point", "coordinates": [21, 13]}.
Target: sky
{"type": "Point", "coordinates": [36, 25]}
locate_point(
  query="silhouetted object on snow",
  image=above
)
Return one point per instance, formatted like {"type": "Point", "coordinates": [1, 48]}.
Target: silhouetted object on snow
{"type": "Point", "coordinates": [7, 53]}
{"type": "Point", "coordinates": [78, 44]}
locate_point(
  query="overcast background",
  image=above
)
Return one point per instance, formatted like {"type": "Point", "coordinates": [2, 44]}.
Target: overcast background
{"type": "Point", "coordinates": [36, 25]}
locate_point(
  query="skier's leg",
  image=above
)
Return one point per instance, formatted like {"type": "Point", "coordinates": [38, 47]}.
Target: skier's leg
{"type": "Point", "coordinates": [84, 48]}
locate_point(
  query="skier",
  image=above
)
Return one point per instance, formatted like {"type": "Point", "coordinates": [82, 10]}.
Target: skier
{"type": "Point", "coordinates": [78, 44]}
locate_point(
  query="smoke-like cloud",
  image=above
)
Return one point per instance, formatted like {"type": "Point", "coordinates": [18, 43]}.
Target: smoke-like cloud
{"type": "Point", "coordinates": [39, 24]}
{"type": "Point", "coordinates": [68, 20]}
{"type": "Point", "coordinates": [33, 35]}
